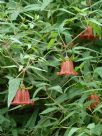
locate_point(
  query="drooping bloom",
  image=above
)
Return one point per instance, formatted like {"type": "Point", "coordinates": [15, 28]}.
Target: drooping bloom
{"type": "Point", "coordinates": [22, 97]}
{"type": "Point", "coordinates": [95, 101]}
{"type": "Point", "coordinates": [67, 68]}
{"type": "Point", "coordinates": [88, 34]}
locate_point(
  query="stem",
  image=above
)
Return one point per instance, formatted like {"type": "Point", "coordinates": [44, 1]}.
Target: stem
{"type": "Point", "coordinates": [60, 106]}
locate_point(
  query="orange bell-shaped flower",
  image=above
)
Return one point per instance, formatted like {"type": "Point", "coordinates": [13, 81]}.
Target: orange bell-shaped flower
{"type": "Point", "coordinates": [67, 68]}
{"type": "Point", "coordinates": [88, 34]}
{"type": "Point", "coordinates": [22, 97]}
{"type": "Point", "coordinates": [96, 100]}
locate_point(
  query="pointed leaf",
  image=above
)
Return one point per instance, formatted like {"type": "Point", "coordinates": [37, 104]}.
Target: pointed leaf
{"type": "Point", "coordinates": [32, 7]}
{"type": "Point", "coordinates": [71, 132]}
{"type": "Point", "coordinates": [98, 71]}
{"type": "Point", "coordinates": [49, 110]}
{"type": "Point", "coordinates": [56, 88]}
{"type": "Point", "coordinates": [45, 4]}
{"type": "Point", "coordinates": [13, 87]}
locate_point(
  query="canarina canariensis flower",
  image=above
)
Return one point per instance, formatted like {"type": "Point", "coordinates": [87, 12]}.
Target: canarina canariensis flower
{"type": "Point", "coordinates": [67, 68]}
{"type": "Point", "coordinates": [95, 101]}
{"type": "Point", "coordinates": [88, 34]}
{"type": "Point", "coordinates": [22, 97]}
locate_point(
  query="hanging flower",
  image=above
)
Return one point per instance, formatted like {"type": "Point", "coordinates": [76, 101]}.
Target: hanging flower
{"type": "Point", "coordinates": [95, 101]}
{"type": "Point", "coordinates": [67, 68]}
{"type": "Point", "coordinates": [22, 97]}
{"type": "Point", "coordinates": [88, 34]}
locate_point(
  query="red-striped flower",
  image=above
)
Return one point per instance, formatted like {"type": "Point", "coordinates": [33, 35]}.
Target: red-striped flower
{"type": "Point", "coordinates": [95, 101]}
{"type": "Point", "coordinates": [22, 97]}
{"type": "Point", "coordinates": [67, 68]}
{"type": "Point", "coordinates": [88, 34]}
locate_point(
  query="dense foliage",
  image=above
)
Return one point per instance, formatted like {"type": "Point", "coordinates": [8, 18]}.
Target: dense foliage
{"type": "Point", "coordinates": [36, 36]}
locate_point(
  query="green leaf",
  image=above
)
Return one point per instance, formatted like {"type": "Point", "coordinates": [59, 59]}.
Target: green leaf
{"type": "Point", "coordinates": [82, 134]}
{"type": "Point", "coordinates": [98, 71]}
{"type": "Point", "coordinates": [15, 108]}
{"type": "Point", "coordinates": [71, 132]}
{"type": "Point", "coordinates": [32, 7]}
{"type": "Point", "coordinates": [95, 21]}
{"type": "Point", "coordinates": [12, 66]}
{"type": "Point", "coordinates": [14, 15]}
{"type": "Point", "coordinates": [90, 126]}
{"type": "Point", "coordinates": [30, 124]}
{"type": "Point", "coordinates": [14, 132]}
{"type": "Point", "coordinates": [2, 119]}
{"type": "Point", "coordinates": [84, 48]}
{"type": "Point", "coordinates": [51, 43]}
{"type": "Point", "coordinates": [49, 110]}
{"type": "Point", "coordinates": [97, 108]}
{"type": "Point", "coordinates": [56, 88]}
{"type": "Point", "coordinates": [1, 129]}
{"type": "Point", "coordinates": [68, 37]}
{"type": "Point", "coordinates": [67, 11]}
{"type": "Point", "coordinates": [62, 98]}
{"type": "Point", "coordinates": [2, 1]}
{"type": "Point", "coordinates": [32, 67]}
{"type": "Point", "coordinates": [13, 87]}
{"type": "Point", "coordinates": [57, 133]}
{"type": "Point", "coordinates": [69, 115]}
{"type": "Point", "coordinates": [45, 4]}
{"type": "Point", "coordinates": [86, 58]}
{"type": "Point", "coordinates": [97, 131]}
{"type": "Point", "coordinates": [37, 91]}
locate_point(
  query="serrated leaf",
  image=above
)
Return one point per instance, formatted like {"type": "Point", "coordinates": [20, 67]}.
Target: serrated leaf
{"type": "Point", "coordinates": [69, 115]}
{"type": "Point", "coordinates": [95, 21]}
{"type": "Point", "coordinates": [45, 4]}
{"type": "Point", "coordinates": [71, 132]}
{"type": "Point", "coordinates": [32, 67]}
{"type": "Point", "coordinates": [14, 15]}
{"type": "Point", "coordinates": [12, 66]}
{"type": "Point", "coordinates": [49, 110]}
{"type": "Point", "coordinates": [32, 7]}
{"type": "Point", "coordinates": [68, 37]}
{"type": "Point", "coordinates": [85, 58]}
{"type": "Point", "coordinates": [98, 71]}
{"type": "Point", "coordinates": [90, 126]}
{"type": "Point", "coordinates": [13, 87]}
{"type": "Point", "coordinates": [14, 132]}
{"type": "Point", "coordinates": [30, 124]}
{"type": "Point", "coordinates": [56, 88]}
{"type": "Point", "coordinates": [67, 11]}
{"type": "Point", "coordinates": [51, 43]}
{"type": "Point", "coordinates": [37, 91]}
{"type": "Point", "coordinates": [1, 129]}
{"type": "Point", "coordinates": [3, 119]}
{"type": "Point", "coordinates": [97, 108]}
